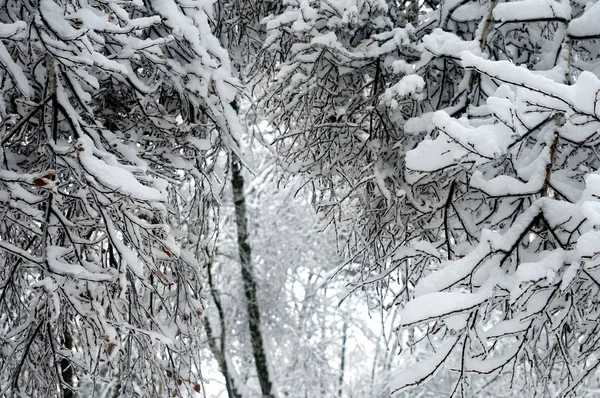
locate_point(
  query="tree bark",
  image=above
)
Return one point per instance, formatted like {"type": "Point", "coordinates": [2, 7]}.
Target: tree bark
{"type": "Point", "coordinates": [249, 281]}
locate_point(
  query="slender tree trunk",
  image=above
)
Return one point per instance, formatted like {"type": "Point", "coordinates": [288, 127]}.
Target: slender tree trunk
{"type": "Point", "coordinates": [258, 351]}
{"type": "Point", "coordinates": [343, 359]}
{"type": "Point", "coordinates": [374, 368]}
{"type": "Point", "coordinates": [219, 352]}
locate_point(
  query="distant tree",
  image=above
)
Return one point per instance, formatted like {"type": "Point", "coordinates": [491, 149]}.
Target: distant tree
{"type": "Point", "coordinates": [301, 323]}
{"type": "Point", "coordinates": [111, 113]}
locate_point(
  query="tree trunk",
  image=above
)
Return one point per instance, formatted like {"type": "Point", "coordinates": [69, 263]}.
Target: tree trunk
{"type": "Point", "coordinates": [219, 352]}
{"type": "Point", "coordinates": [343, 359]}
{"type": "Point", "coordinates": [239, 199]}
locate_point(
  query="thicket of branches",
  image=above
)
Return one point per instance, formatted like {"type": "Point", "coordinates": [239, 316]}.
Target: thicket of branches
{"type": "Point", "coordinates": [452, 146]}
{"type": "Point", "coordinates": [456, 153]}
{"type": "Point", "coordinates": [113, 115]}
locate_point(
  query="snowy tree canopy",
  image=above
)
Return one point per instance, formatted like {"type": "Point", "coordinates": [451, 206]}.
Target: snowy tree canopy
{"type": "Point", "coordinates": [465, 177]}
{"type": "Point", "coordinates": [112, 115]}
{"type": "Point", "coordinates": [452, 146]}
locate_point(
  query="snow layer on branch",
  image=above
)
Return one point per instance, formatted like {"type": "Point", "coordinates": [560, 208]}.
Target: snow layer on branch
{"type": "Point", "coordinates": [423, 370]}
{"type": "Point", "coordinates": [12, 30]}
{"type": "Point", "coordinates": [469, 12]}
{"type": "Point", "coordinates": [16, 73]}
{"type": "Point", "coordinates": [531, 10]}
{"type": "Point", "coordinates": [534, 173]}
{"type": "Point", "coordinates": [489, 365]}
{"type": "Point", "coordinates": [580, 97]}
{"type": "Point", "coordinates": [410, 86]}
{"type": "Point", "coordinates": [591, 207]}
{"type": "Point", "coordinates": [588, 245]}
{"type": "Point", "coordinates": [448, 44]}
{"type": "Point", "coordinates": [487, 140]}
{"type": "Point", "coordinates": [53, 256]}
{"type": "Point", "coordinates": [435, 305]}
{"type": "Point", "coordinates": [195, 29]}
{"type": "Point", "coordinates": [586, 26]}
{"type": "Point", "coordinates": [96, 20]}
{"type": "Point", "coordinates": [113, 176]}
{"type": "Point", "coordinates": [433, 155]}
{"type": "Point", "coordinates": [53, 15]}
{"type": "Point", "coordinates": [533, 272]}
{"type": "Point", "coordinates": [491, 245]}
{"type": "Point", "coordinates": [507, 327]}
{"type": "Point", "coordinates": [458, 141]}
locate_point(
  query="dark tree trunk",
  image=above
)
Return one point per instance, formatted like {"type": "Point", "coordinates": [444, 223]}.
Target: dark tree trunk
{"type": "Point", "coordinates": [258, 351]}
{"type": "Point", "coordinates": [343, 359]}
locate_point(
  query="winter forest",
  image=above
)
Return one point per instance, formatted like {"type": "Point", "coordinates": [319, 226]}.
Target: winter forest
{"type": "Point", "coordinates": [299, 198]}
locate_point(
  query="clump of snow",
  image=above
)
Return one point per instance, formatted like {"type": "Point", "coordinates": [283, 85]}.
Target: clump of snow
{"type": "Point", "coordinates": [54, 256]}
{"type": "Point", "coordinates": [528, 10]}
{"type": "Point", "coordinates": [422, 370]}
{"type": "Point", "coordinates": [447, 44]}
{"type": "Point", "coordinates": [410, 86]}
{"type": "Point", "coordinates": [586, 25]}
{"type": "Point", "coordinates": [111, 176]}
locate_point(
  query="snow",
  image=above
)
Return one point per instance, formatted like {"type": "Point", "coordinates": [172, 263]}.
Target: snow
{"type": "Point", "coordinates": [47, 283]}
{"type": "Point", "coordinates": [426, 247]}
{"type": "Point", "coordinates": [457, 141]}
{"type": "Point", "coordinates": [431, 155]}
{"type": "Point", "coordinates": [13, 30]}
{"type": "Point", "coordinates": [9, 247]}
{"type": "Point", "coordinates": [498, 172]}
{"type": "Point", "coordinates": [588, 244]}
{"type": "Point", "coordinates": [53, 15]}
{"type": "Point", "coordinates": [487, 251]}
{"type": "Point", "coordinates": [128, 256]}
{"type": "Point", "coordinates": [58, 266]}
{"type": "Point", "coordinates": [15, 71]}
{"type": "Point", "coordinates": [423, 370]}
{"type": "Point", "coordinates": [528, 10]}
{"type": "Point", "coordinates": [489, 365]}
{"type": "Point", "coordinates": [96, 20]}
{"type": "Point", "coordinates": [194, 28]}
{"type": "Point", "coordinates": [410, 86]}
{"type": "Point", "coordinates": [456, 323]}
{"type": "Point", "coordinates": [579, 97]}
{"type": "Point", "coordinates": [113, 177]}
{"type": "Point", "coordinates": [469, 12]}
{"type": "Point", "coordinates": [570, 274]}
{"type": "Point", "coordinates": [17, 192]}
{"type": "Point", "coordinates": [487, 140]}
{"type": "Point", "coordinates": [532, 272]}
{"type": "Point", "coordinates": [506, 185]}
{"type": "Point", "coordinates": [201, 144]}
{"type": "Point", "coordinates": [447, 44]}
{"type": "Point", "coordinates": [451, 272]}
{"type": "Point", "coordinates": [586, 25]}
{"type": "Point", "coordinates": [419, 124]}
{"type": "Point", "coordinates": [430, 306]}
{"type": "Point", "coordinates": [508, 327]}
